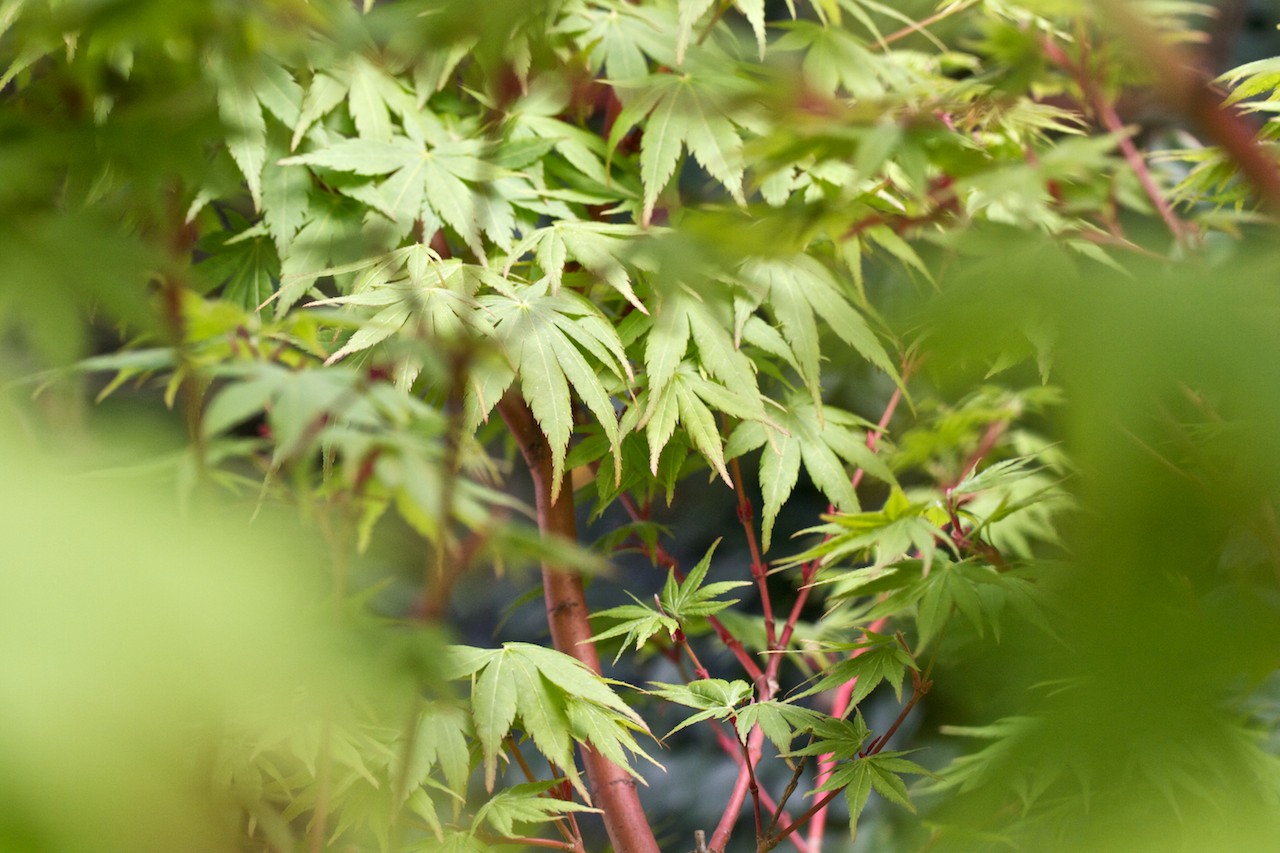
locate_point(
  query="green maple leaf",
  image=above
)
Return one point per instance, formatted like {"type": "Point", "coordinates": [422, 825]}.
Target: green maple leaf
{"type": "Point", "coordinates": [448, 182]}
{"type": "Point", "coordinates": [890, 533]}
{"type": "Point", "coordinates": [715, 698]}
{"type": "Point", "coordinates": [682, 316]}
{"type": "Point", "coordinates": [242, 98]}
{"type": "Point", "coordinates": [879, 658]}
{"type": "Point", "coordinates": [688, 392]}
{"type": "Point", "coordinates": [639, 624]}
{"type": "Point", "coordinates": [618, 36]}
{"type": "Point", "coordinates": [841, 738]}
{"type": "Point", "coordinates": [547, 337]}
{"type": "Point", "coordinates": [286, 194]}
{"type": "Point", "coordinates": [692, 11]}
{"type": "Point", "coordinates": [557, 701]}
{"type": "Point", "coordinates": [440, 740]}
{"type": "Point", "coordinates": [799, 289]}
{"type": "Point", "coordinates": [412, 283]}
{"type": "Point", "coordinates": [691, 598]}
{"type": "Point", "coordinates": [370, 93]}
{"type": "Point", "coordinates": [596, 246]}
{"type": "Point", "coordinates": [244, 265]}
{"type": "Point", "coordinates": [537, 115]}
{"type": "Point", "coordinates": [327, 238]}
{"type": "Point", "coordinates": [524, 804]}
{"type": "Point", "coordinates": [680, 601]}
{"type": "Point", "coordinates": [882, 773]}
{"type": "Point", "coordinates": [825, 441]}
{"type": "Point", "coordinates": [691, 400]}
{"type": "Point", "coordinates": [690, 110]}
{"type": "Point", "coordinates": [247, 138]}
{"type": "Point", "coordinates": [835, 58]}
{"type": "Point", "coordinates": [778, 720]}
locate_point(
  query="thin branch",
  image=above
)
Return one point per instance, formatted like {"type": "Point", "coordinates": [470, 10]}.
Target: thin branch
{"type": "Point", "coordinates": [759, 572]}
{"type": "Point", "coordinates": [826, 762]}
{"type": "Point", "coordinates": [698, 669]}
{"type": "Point", "coordinates": [1106, 111]}
{"type": "Point", "coordinates": [780, 816]}
{"type": "Point", "coordinates": [720, 838]}
{"type": "Point", "coordinates": [724, 6]}
{"type": "Point", "coordinates": [922, 686]}
{"type": "Point", "coordinates": [921, 25]}
{"type": "Point", "coordinates": [545, 843]}
{"type": "Point", "coordinates": [753, 786]}
{"type": "Point", "coordinates": [818, 805]}
{"type": "Point", "coordinates": [1187, 90]}
{"type": "Point", "coordinates": [778, 813]}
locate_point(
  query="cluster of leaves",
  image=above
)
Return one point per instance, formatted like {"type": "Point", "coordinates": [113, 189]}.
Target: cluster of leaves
{"type": "Point", "coordinates": [675, 233]}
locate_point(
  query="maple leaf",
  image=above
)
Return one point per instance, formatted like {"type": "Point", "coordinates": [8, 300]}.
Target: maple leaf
{"type": "Point", "coordinates": [691, 11]}
{"type": "Point", "coordinates": [244, 264]}
{"type": "Point", "coordinates": [370, 93]}
{"type": "Point", "coordinates": [797, 288]}
{"type": "Point", "coordinates": [528, 803]}
{"type": "Point", "coordinates": [722, 379]}
{"type": "Point", "coordinates": [557, 700]}
{"type": "Point", "coordinates": [595, 245]}
{"type": "Point", "coordinates": [617, 37]}
{"type": "Point", "coordinates": [448, 182]}
{"type": "Point", "coordinates": [241, 100]}
{"type": "Point", "coordinates": [823, 443]}
{"type": "Point", "coordinates": [682, 316]}
{"type": "Point", "coordinates": [547, 337]}
{"type": "Point", "coordinates": [537, 115]}
{"type": "Point", "coordinates": [692, 400]}
{"type": "Point", "coordinates": [687, 110]}
{"type": "Point", "coordinates": [412, 283]}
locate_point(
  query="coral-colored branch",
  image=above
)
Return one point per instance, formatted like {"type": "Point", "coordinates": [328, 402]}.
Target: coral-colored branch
{"type": "Point", "coordinates": [1186, 89]}
{"type": "Point", "coordinates": [1106, 112]}
{"type": "Point", "coordinates": [613, 790]}
{"type": "Point", "coordinates": [922, 25]}
{"type": "Point", "coordinates": [720, 838]}
{"type": "Point", "coordinates": [759, 572]}
{"type": "Point", "coordinates": [826, 762]}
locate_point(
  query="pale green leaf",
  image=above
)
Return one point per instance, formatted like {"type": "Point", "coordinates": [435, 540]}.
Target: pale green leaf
{"type": "Point", "coordinates": [247, 135]}
{"type": "Point", "coordinates": [493, 705]}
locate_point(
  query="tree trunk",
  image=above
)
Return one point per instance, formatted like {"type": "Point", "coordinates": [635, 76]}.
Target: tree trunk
{"type": "Point", "coordinates": [612, 788]}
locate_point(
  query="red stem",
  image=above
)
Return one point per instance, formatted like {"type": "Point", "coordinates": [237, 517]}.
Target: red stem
{"type": "Point", "coordinates": [1106, 111]}
{"type": "Point", "coordinates": [720, 838]}
{"type": "Point", "coordinates": [759, 572]}
{"type": "Point", "coordinates": [1185, 89]}
{"type": "Point", "coordinates": [826, 765]}
{"type": "Point", "coordinates": [612, 788]}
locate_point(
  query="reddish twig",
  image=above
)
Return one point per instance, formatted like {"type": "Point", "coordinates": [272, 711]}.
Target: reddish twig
{"type": "Point", "coordinates": [724, 829]}
{"type": "Point", "coordinates": [759, 572]}
{"type": "Point", "coordinates": [1186, 89]}
{"type": "Point", "coordinates": [826, 762]}
{"type": "Point", "coordinates": [1106, 112]}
